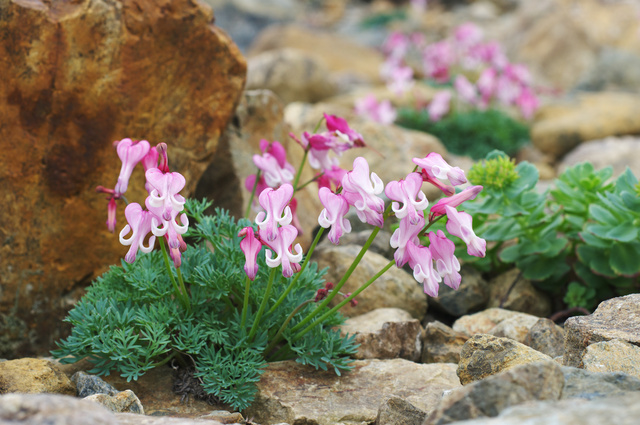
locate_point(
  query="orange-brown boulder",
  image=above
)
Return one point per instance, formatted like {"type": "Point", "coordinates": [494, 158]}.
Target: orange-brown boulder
{"type": "Point", "coordinates": [76, 76]}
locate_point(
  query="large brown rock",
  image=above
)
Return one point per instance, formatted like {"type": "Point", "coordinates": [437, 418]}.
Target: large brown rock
{"type": "Point", "coordinates": [33, 376]}
{"type": "Point", "coordinates": [75, 77]}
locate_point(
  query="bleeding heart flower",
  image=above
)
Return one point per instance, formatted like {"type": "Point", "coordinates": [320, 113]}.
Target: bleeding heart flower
{"type": "Point", "coordinates": [275, 202]}
{"type": "Point", "coordinates": [360, 190]}
{"type": "Point", "coordinates": [281, 244]}
{"type": "Point", "coordinates": [447, 265]}
{"type": "Point", "coordinates": [468, 193]}
{"type": "Point", "coordinates": [460, 224]}
{"type": "Point", "coordinates": [335, 208]}
{"type": "Point", "coordinates": [130, 154]}
{"type": "Point", "coordinates": [250, 246]}
{"type": "Point", "coordinates": [437, 168]}
{"type": "Point", "coordinates": [139, 225]}
{"type": "Point", "coordinates": [406, 191]}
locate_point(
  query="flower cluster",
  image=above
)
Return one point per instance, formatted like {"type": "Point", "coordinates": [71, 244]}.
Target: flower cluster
{"type": "Point", "coordinates": [164, 204]}
{"type": "Point", "coordinates": [377, 111]}
{"type": "Point", "coordinates": [274, 231]}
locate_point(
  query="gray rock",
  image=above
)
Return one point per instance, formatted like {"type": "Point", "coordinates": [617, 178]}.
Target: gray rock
{"type": "Point", "coordinates": [441, 344]}
{"type": "Point", "coordinates": [398, 411]}
{"type": "Point", "coordinates": [484, 321]}
{"type": "Point", "coordinates": [614, 69]}
{"type": "Point", "coordinates": [380, 244]}
{"type": "Point", "coordinates": [123, 402]}
{"type": "Point", "coordinates": [580, 383]}
{"type": "Point", "coordinates": [485, 355]}
{"type": "Point", "coordinates": [547, 337]}
{"type": "Point", "coordinates": [523, 297]}
{"type": "Point", "coordinates": [617, 318]}
{"type": "Point", "coordinates": [52, 409]}
{"type": "Point", "coordinates": [612, 356]}
{"type": "Point", "coordinates": [471, 296]}
{"type": "Point", "coordinates": [492, 395]}
{"type": "Point", "coordinates": [385, 333]}
{"type": "Point", "coordinates": [133, 419]}
{"type": "Point", "coordinates": [293, 393]}
{"type": "Point", "coordinates": [91, 384]}
{"type": "Point", "coordinates": [619, 410]}
{"type": "Point", "coordinates": [617, 152]}
{"type": "Point", "coordinates": [516, 328]}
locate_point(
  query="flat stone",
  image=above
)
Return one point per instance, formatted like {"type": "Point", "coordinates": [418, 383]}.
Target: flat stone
{"type": "Point", "coordinates": [123, 402]}
{"type": "Point", "coordinates": [484, 321]}
{"type": "Point", "coordinates": [617, 318]}
{"type": "Point", "coordinates": [134, 419]}
{"type": "Point", "coordinates": [472, 295]}
{"type": "Point", "coordinates": [486, 355]}
{"type": "Point", "coordinates": [617, 152]}
{"type": "Point", "coordinates": [385, 333]}
{"type": "Point", "coordinates": [395, 288]}
{"type": "Point", "coordinates": [398, 411]}
{"type": "Point", "coordinates": [293, 393]}
{"type": "Point", "coordinates": [580, 383]}
{"type": "Point", "coordinates": [52, 409]}
{"type": "Point", "coordinates": [612, 356]}
{"type": "Point", "coordinates": [492, 395]}
{"type": "Point", "coordinates": [517, 328]}
{"type": "Point", "coordinates": [33, 376]}
{"type": "Point", "coordinates": [91, 384]}
{"type": "Point", "coordinates": [618, 410]}
{"type": "Point", "coordinates": [441, 344]}
{"type": "Point", "coordinates": [547, 337]}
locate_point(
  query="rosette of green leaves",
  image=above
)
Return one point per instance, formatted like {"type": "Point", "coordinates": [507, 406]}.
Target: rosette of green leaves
{"type": "Point", "coordinates": [129, 321]}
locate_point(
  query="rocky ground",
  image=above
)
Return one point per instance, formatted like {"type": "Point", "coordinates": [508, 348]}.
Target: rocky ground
{"type": "Point", "coordinates": [496, 360]}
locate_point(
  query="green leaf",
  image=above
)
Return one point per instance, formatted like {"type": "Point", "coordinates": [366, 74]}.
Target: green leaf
{"type": "Point", "coordinates": [625, 232]}
{"type": "Point", "coordinates": [537, 267]}
{"type": "Point", "coordinates": [625, 259]}
{"type": "Point", "coordinates": [591, 239]}
{"type": "Point", "coordinates": [510, 253]}
{"type": "Point", "coordinates": [528, 178]}
{"type": "Point", "coordinates": [602, 215]}
{"type": "Point", "coordinates": [597, 259]}
{"type": "Point", "coordinates": [502, 230]}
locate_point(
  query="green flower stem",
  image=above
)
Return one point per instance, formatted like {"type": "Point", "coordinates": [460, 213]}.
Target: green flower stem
{"type": "Point", "coordinates": [165, 360]}
{"type": "Point", "coordinates": [245, 304]}
{"type": "Point", "coordinates": [304, 266]}
{"type": "Point", "coordinates": [308, 182]}
{"type": "Point", "coordinates": [299, 173]}
{"type": "Point", "coordinates": [343, 302]}
{"type": "Point", "coordinates": [184, 290]}
{"type": "Point", "coordinates": [253, 194]}
{"type": "Point", "coordinates": [263, 304]}
{"type": "Point", "coordinates": [340, 284]}
{"type": "Point", "coordinates": [173, 279]}
{"type": "Point", "coordinates": [278, 335]}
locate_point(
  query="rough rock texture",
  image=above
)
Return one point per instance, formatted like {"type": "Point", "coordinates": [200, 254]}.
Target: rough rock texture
{"type": "Point", "coordinates": [618, 152]}
{"type": "Point", "coordinates": [472, 295]}
{"type": "Point", "coordinates": [617, 318]}
{"type": "Point", "coordinates": [492, 395]}
{"type": "Point", "coordinates": [77, 76]}
{"type": "Point", "coordinates": [523, 297]}
{"type": "Point", "coordinates": [618, 410]}
{"type": "Point", "coordinates": [398, 411]}
{"type": "Point", "coordinates": [380, 244]}
{"type": "Point", "coordinates": [134, 419]}
{"type": "Point", "coordinates": [580, 383]}
{"type": "Point", "coordinates": [87, 385]}
{"type": "Point", "coordinates": [485, 355]}
{"type": "Point", "coordinates": [385, 333]}
{"type": "Point", "coordinates": [612, 356]}
{"type": "Point", "coordinates": [395, 288]}
{"type": "Point", "coordinates": [33, 376]}
{"type": "Point", "coordinates": [560, 127]}
{"type": "Point", "coordinates": [52, 409]}
{"type": "Point", "coordinates": [293, 393]}
{"type": "Point", "coordinates": [547, 337]}
{"type": "Point", "coordinates": [292, 74]}
{"type": "Point", "coordinates": [516, 328]}
{"type": "Point", "coordinates": [484, 321]}
{"type": "Point", "coordinates": [339, 54]}
{"type": "Point", "coordinates": [123, 402]}
{"type": "Point", "coordinates": [441, 344]}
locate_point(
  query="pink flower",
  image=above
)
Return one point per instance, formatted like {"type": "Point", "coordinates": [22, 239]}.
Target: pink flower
{"type": "Point", "coordinates": [447, 265]}
{"type": "Point", "coordinates": [250, 246]}
{"type": "Point", "coordinates": [487, 84]}
{"type": "Point", "coordinates": [466, 91]}
{"type": "Point", "coordinates": [360, 191]}
{"type": "Point", "coordinates": [331, 178]}
{"type": "Point", "coordinates": [468, 34]}
{"type": "Point", "coordinates": [285, 237]}
{"type": "Point", "coordinates": [527, 102]}
{"type": "Point", "coordinates": [468, 193]}
{"type": "Point", "coordinates": [111, 215]}
{"type": "Point", "coordinates": [161, 225]}
{"type": "Point", "coordinates": [439, 105]}
{"type": "Point", "coordinates": [400, 80]}
{"type": "Point", "coordinates": [273, 164]}
{"type": "Point", "coordinates": [275, 203]}
{"type": "Point", "coordinates": [396, 45]}
{"type": "Point", "coordinates": [164, 192]}
{"type": "Point", "coordinates": [407, 233]}
{"type": "Point", "coordinates": [335, 208]}
{"type": "Point", "coordinates": [381, 112]}
{"type": "Point", "coordinates": [459, 224]}
{"type": "Point", "coordinates": [507, 89]}
{"type": "Point", "coordinates": [130, 154]}
{"type": "Point", "coordinates": [422, 264]}
{"type": "Point", "coordinates": [250, 181]}
{"type": "Point", "coordinates": [150, 160]}
{"type": "Point", "coordinates": [139, 226]}
{"type": "Point", "coordinates": [437, 60]}
{"type": "Point", "coordinates": [339, 127]}
{"type": "Point", "coordinates": [436, 167]}
{"type": "Point", "coordinates": [406, 191]}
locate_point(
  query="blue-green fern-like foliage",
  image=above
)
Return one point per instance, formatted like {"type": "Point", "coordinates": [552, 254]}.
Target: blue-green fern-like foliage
{"type": "Point", "coordinates": [129, 321]}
